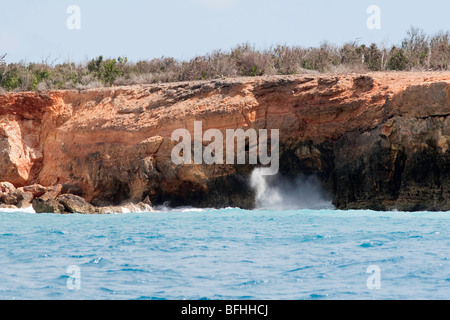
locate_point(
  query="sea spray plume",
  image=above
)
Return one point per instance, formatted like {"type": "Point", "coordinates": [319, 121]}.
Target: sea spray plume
{"type": "Point", "coordinates": [265, 196]}
{"type": "Point", "coordinates": [285, 193]}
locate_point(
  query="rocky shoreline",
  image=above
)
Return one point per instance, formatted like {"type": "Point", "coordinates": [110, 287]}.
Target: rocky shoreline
{"type": "Point", "coordinates": [373, 141]}
{"type": "Point", "coordinates": [59, 199]}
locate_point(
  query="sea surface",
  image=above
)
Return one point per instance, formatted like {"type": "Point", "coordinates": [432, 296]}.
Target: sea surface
{"type": "Point", "coordinates": [228, 254]}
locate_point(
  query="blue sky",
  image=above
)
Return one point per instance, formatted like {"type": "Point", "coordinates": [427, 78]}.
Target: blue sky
{"type": "Point", "coordinates": [142, 29]}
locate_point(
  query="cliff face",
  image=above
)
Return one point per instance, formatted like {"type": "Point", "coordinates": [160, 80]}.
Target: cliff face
{"type": "Point", "coordinates": [378, 141]}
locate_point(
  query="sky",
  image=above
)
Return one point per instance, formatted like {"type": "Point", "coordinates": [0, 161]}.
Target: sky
{"type": "Point", "coordinates": [45, 30]}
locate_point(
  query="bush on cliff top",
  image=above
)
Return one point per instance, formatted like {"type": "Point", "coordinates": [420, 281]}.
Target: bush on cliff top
{"type": "Point", "coordinates": [416, 52]}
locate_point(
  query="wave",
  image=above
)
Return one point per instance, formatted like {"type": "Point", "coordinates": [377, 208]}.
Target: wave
{"type": "Point", "coordinates": [123, 209]}
{"type": "Point", "coordinates": [166, 208]}
{"type": "Point", "coordinates": [17, 210]}
{"type": "Point", "coordinates": [133, 208]}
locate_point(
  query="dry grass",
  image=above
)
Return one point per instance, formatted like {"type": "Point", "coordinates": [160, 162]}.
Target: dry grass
{"type": "Point", "coordinates": [417, 52]}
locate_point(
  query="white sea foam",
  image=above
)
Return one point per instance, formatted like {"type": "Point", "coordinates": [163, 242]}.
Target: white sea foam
{"type": "Point", "coordinates": [167, 208]}
{"type": "Point", "coordinates": [16, 210]}
{"type": "Point", "coordinates": [133, 208]}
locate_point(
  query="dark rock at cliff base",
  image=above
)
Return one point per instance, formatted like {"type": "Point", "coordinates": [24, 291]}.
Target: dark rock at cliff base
{"type": "Point", "coordinates": [10, 196]}
{"type": "Point", "coordinates": [6, 187]}
{"type": "Point", "coordinates": [66, 203]}
{"type": "Point", "coordinates": [75, 204]}
{"type": "Point", "coordinates": [71, 189]}
{"type": "Point", "coordinates": [25, 200]}
{"type": "Point", "coordinates": [47, 206]}
{"type": "Point", "coordinates": [52, 192]}
{"type": "Point", "coordinates": [36, 189]}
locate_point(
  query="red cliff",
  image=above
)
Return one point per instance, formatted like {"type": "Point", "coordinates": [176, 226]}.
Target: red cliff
{"type": "Point", "coordinates": [378, 140]}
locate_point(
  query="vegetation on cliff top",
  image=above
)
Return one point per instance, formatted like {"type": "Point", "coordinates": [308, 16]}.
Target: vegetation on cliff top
{"type": "Point", "coordinates": [417, 52]}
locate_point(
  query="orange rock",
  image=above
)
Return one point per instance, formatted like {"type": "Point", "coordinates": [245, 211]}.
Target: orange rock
{"type": "Point", "coordinates": [114, 143]}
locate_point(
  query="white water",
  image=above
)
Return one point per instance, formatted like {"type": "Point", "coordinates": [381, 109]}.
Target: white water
{"type": "Point", "coordinates": [280, 193]}
{"type": "Point", "coordinates": [128, 208]}
{"type": "Point", "coordinates": [16, 210]}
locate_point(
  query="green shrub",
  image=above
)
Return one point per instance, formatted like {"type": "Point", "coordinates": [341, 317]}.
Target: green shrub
{"type": "Point", "coordinates": [11, 78]}
{"type": "Point", "coordinates": [398, 60]}
{"type": "Point", "coordinates": [95, 64]}
{"type": "Point", "coordinates": [374, 58]}
{"type": "Point", "coordinates": [110, 71]}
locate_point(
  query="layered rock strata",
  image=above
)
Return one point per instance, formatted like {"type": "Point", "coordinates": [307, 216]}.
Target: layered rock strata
{"type": "Point", "coordinates": [374, 141]}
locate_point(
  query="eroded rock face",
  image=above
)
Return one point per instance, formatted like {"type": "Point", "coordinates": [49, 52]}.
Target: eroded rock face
{"type": "Point", "coordinates": [75, 204]}
{"type": "Point", "coordinates": [377, 141]}
{"type": "Point", "coordinates": [12, 197]}
{"type": "Point", "coordinates": [47, 206]}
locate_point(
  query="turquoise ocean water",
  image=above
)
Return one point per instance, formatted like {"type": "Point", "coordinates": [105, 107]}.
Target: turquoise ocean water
{"type": "Point", "coordinates": [225, 254]}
